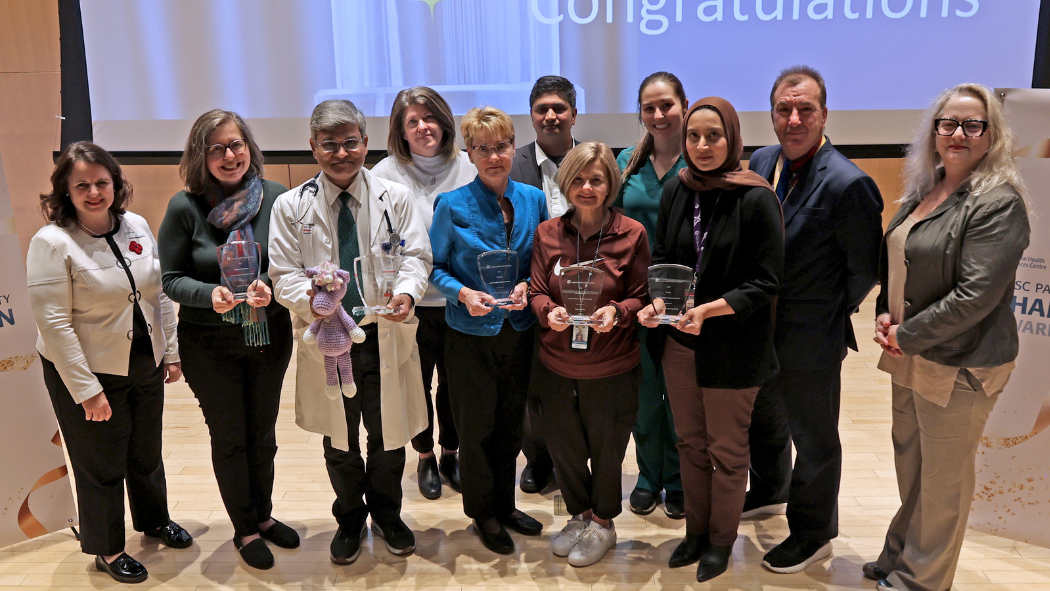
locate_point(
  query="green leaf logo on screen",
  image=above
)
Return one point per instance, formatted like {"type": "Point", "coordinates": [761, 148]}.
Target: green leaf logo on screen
{"type": "Point", "coordinates": [431, 4]}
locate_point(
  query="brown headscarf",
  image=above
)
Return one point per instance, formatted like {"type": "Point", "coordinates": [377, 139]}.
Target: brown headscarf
{"type": "Point", "coordinates": [730, 175]}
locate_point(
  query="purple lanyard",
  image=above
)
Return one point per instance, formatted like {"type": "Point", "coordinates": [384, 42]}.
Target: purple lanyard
{"type": "Point", "coordinates": [700, 232]}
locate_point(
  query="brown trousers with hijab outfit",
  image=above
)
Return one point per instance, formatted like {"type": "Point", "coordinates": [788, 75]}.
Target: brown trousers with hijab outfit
{"type": "Point", "coordinates": [712, 426]}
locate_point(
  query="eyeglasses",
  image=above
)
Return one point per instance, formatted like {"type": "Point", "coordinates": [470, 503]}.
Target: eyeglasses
{"type": "Point", "coordinates": [349, 144]}
{"type": "Point", "coordinates": [499, 149]}
{"type": "Point", "coordinates": [218, 151]}
{"type": "Point", "coordinates": [970, 127]}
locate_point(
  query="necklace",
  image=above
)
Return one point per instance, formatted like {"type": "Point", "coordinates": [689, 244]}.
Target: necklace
{"type": "Point", "coordinates": [93, 234]}
{"type": "Point", "coordinates": [578, 232]}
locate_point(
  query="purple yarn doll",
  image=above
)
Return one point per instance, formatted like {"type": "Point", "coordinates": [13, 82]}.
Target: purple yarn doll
{"type": "Point", "coordinates": [337, 333]}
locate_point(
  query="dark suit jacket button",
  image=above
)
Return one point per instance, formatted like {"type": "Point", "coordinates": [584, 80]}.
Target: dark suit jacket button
{"type": "Point", "coordinates": [907, 263]}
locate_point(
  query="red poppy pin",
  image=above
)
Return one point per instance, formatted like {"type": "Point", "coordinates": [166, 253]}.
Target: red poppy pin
{"type": "Point", "coordinates": [135, 247]}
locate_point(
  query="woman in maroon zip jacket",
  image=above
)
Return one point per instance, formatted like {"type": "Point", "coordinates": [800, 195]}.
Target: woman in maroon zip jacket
{"type": "Point", "coordinates": [588, 378]}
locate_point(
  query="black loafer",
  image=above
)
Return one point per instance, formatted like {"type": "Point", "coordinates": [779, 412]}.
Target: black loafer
{"type": "Point", "coordinates": [689, 550]}
{"type": "Point", "coordinates": [171, 535]}
{"type": "Point", "coordinates": [255, 553]}
{"type": "Point", "coordinates": [674, 504]}
{"type": "Point", "coordinates": [714, 562]}
{"type": "Point", "coordinates": [643, 501]}
{"type": "Point", "coordinates": [448, 465]}
{"type": "Point", "coordinates": [124, 569]}
{"type": "Point", "coordinates": [281, 535]}
{"type": "Point", "coordinates": [346, 546]}
{"type": "Point", "coordinates": [872, 571]}
{"type": "Point", "coordinates": [527, 482]}
{"type": "Point", "coordinates": [499, 542]}
{"type": "Point", "coordinates": [400, 541]}
{"type": "Point", "coordinates": [428, 478]}
{"type": "Point", "coordinates": [522, 523]}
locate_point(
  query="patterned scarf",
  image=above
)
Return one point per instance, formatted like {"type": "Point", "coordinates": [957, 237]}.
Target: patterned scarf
{"type": "Point", "coordinates": [234, 215]}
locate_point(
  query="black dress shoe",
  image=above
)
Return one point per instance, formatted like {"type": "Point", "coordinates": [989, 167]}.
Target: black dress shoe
{"type": "Point", "coordinates": [400, 540]}
{"type": "Point", "coordinates": [255, 553]}
{"type": "Point", "coordinates": [643, 501]}
{"type": "Point", "coordinates": [499, 542]}
{"type": "Point", "coordinates": [346, 546]}
{"type": "Point", "coordinates": [448, 465]}
{"type": "Point", "coordinates": [872, 571]}
{"type": "Point", "coordinates": [522, 523]}
{"type": "Point", "coordinates": [281, 535]}
{"type": "Point", "coordinates": [689, 550]}
{"type": "Point", "coordinates": [124, 569]}
{"type": "Point", "coordinates": [674, 504]}
{"type": "Point", "coordinates": [714, 562]}
{"type": "Point", "coordinates": [171, 535]}
{"type": "Point", "coordinates": [527, 483]}
{"type": "Point", "coordinates": [428, 477]}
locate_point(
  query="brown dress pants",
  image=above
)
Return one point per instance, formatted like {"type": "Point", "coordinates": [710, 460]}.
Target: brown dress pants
{"type": "Point", "coordinates": [712, 426]}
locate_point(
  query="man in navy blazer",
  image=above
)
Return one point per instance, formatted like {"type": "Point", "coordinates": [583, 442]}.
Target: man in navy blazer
{"type": "Point", "coordinates": [832, 231]}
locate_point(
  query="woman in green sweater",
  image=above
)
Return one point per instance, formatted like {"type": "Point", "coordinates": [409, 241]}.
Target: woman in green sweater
{"type": "Point", "coordinates": [234, 352]}
{"type": "Point", "coordinates": [646, 166]}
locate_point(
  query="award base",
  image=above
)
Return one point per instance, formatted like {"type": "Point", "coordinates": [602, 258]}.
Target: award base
{"type": "Point", "coordinates": [667, 319]}
{"type": "Point", "coordinates": [582, 321]}
{"type": "Point", "coordinates": [376, 310]}
{"type": "Point", "coordinates": [502, 303]}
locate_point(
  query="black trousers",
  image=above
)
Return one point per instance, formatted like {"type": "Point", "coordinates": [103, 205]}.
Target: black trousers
{"type": "Point", "coordinates": [105, 454]}
{"type": "Point", "coordinates": [800, 407]}
{"type": "Point", "coordinates": [589, 421]}
{"type": "Point", "coordinates": [488, 379]}
{"type": "Point", "coordinates": [430, 337]}
{"type": "Point", "coordinates": [239, 391]}
{"type": "Point", "coordinates": [370, 484]}
{"type": "Point", "coordinates": [533, 443]}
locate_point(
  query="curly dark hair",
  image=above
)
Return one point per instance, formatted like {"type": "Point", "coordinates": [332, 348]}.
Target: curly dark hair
{"type": "Point", "coordinates": [57, 206]}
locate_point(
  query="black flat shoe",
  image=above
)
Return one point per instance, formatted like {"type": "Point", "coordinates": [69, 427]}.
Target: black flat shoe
{"type": "Point", "coordinates": [872, 571]}
{"type": "Point", "coordinates": [448, 465]}
{"type": "Point", "coordinates": [689, 550]}
{"type": "Point", "coordinates": [522, 523]}
{"type": "Point", "coordinates": [255, 553]}
{"type": "Point", "coordinates": [281, 535]}
{"type": "Point", "coordinates": [499, 542]}
{"type": "Point", "coordinates": [428, 478]}
{"type": "Point", "coordinates": [643, 501]}
{"type": "Point", "coordinates": [674, 504]}
{"type": "Point", "coordinates": [171, 535]}
{"type": "Point", "coordinates": [527, 483]}
{"type": "Point", "coordinates": [124, 569]}
{"type": "Point", "coordinates": [714, 562]}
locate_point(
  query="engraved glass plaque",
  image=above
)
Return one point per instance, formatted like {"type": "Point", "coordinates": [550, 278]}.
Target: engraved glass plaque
{"type": "Point", "coordinates": [499, 275]}
{"type": "Point", "coordinates": [239, 266]}
{"type": "Point", "coordinates": [376, 275]}
{"type": "Point", "coordinates": [580, 289]}
{"type": "Point", "coordinates": [670, 289]}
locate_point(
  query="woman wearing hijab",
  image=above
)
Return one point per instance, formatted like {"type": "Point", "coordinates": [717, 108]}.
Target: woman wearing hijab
{"type": "Point", "coordinates": [726, 224]}
{"type": "Point", "coordinates": [234, 352]}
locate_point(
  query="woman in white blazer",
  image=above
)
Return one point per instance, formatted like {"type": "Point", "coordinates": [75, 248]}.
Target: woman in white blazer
{"type": "Point", "coordinates": [107, 345]}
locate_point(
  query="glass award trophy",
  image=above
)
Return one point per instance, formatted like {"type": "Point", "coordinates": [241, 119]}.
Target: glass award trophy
{"type": "Point", "coordinates": [580, 289]}
{"type": "Point", "coordinates": [499, 275]}
{"type": "Point", "coordinates": [239, 266]}
{"type": "Point", "coordinates": [376, 275]}
{"type": "Point", "coordinates": [670, 289]}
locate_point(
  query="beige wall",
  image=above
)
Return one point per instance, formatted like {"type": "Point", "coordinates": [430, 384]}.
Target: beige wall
{"type": "Point", "coordinates": [30, 104]}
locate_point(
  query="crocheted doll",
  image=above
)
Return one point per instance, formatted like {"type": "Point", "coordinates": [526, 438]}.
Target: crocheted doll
{"type": "Point", "coordinates": [337, 333]}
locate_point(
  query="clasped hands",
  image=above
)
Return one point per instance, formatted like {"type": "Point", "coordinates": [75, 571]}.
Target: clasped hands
{"type": "Point", "coordinates": [886, 335]}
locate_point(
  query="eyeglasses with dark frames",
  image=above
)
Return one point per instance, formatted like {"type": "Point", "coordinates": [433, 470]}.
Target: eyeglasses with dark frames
{"type": "Point", "coordinates": [218, 151]}
{"type": "Point", "coordinates": [970, 127]}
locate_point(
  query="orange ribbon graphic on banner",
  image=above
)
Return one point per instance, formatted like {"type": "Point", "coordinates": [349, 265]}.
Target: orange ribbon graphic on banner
{"type": "Point", "coordinates": [29, 524]}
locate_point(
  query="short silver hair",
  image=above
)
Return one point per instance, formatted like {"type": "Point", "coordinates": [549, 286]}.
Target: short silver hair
{"type": "Point", "coordinates": [334, 113]}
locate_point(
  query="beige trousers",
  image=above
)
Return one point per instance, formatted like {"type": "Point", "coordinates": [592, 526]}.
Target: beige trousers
{"type": "Point", "coordinates": [934, 449]}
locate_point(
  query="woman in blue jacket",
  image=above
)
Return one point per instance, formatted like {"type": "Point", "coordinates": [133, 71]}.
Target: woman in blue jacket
{"type": "Point", "coordinates": [488, 352]}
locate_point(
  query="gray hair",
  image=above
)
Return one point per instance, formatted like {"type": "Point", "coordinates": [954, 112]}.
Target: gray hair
{"type": "Point", "coordinates": [334, 113]}
{"type": "Point", "coordinates": [996, 168]}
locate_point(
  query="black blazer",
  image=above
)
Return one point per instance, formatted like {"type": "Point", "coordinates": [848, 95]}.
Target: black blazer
{"type": "Point", "coordinates": [525, 169]}
{"type": "Point", "coordinates": [832, 231]}
{"type": "Point", "coordinates": [743, 262]}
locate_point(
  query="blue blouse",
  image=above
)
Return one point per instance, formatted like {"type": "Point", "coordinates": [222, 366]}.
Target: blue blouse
{"type": "Point", "coordinates": [468, 222]}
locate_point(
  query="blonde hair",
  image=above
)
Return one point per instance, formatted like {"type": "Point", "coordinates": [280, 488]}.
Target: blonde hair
{"type": "Point", "coordinates": [581, 157]}
{"type": "Point", "coordinates": [996, 168]}
{"type": "Point", "coordinates": [485, 120]}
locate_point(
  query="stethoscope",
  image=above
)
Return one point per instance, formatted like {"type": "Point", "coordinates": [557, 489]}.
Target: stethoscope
{"type": "Point", "coordinates": [394, 243]}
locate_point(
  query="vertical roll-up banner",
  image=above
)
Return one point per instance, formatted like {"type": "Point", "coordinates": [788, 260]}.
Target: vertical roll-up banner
{"type": "Point", "coordinates": [35, 495]}
{"type": "Point", "coordinates": [1012, 498]}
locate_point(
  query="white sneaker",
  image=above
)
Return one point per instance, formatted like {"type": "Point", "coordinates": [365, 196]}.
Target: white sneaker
{"type": "Point", "coordinates": [594, 542]}
{"type": "Point", "coordinates": [563, 541]}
